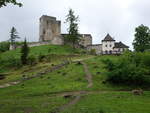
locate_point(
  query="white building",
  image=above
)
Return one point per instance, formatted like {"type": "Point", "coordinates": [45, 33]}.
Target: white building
{"type": "Point", "coordinates": [108, 46]}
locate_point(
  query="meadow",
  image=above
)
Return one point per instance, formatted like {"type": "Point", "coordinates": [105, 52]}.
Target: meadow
{"type": "Point", "coordinates": [65, 90]}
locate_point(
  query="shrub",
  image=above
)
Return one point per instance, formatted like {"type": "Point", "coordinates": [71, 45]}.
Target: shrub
{"type": "Point", "coordinates": [41, 57]}
{"type": "Point", "coordinates": [32, 60]}
{"type": "Point", "coordinates": [4, 46]}
{"type": "Point", "coordinates": [130, 69]}
{"type": "Point", "coordinates": [12, 62]}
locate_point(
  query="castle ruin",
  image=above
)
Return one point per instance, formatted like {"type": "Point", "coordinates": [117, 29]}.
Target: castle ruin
{"type": "Point", "coordinates": [50, 30]}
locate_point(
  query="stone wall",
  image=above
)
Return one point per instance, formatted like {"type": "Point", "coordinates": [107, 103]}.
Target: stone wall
{"type": "Point", "coordinates": [85, 40]}
{"type": "Point", "coordinates": [97, 47]}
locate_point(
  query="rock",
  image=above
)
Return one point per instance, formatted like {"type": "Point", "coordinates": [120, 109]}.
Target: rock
{"type": "Point", "coordinates": [137, 92]}
{"type": "Point", "coordinates": [67, 96]}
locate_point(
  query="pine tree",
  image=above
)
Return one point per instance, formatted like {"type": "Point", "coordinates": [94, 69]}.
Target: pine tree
{"type": "Point", "coordinates": [73, 32]}
{"type": "Point", "coordinates": [13, 36]}
{"type": "Point", "coordinates": [24, 53]}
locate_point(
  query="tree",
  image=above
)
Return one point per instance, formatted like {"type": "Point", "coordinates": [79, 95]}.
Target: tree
{"type": "Point", "coordinates": [142, 38]}
{"type": "Point", "coordinates": [5, 2]}
{"type": "Point", "coordinates": [73, 32]}
{"type": "Point", "coordinates": [24, 53]}
{"type": "Point", "coordinates": [13, 36]}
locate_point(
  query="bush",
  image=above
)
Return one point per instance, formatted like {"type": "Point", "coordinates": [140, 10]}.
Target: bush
{"type": "Point", "coordinates": [130, 69]}
{"type": "Point", "coordinates": [32, 60]}
{"type": "Point", "coordinates": [13, 62]}
{"type": "Point", "coordinates": [41, 57]}
{"type": "Point", "coordinates": [4, 46]}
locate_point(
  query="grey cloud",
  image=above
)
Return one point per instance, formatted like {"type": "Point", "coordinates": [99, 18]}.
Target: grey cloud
{"type": "Point", "coordinates": [97, 17]}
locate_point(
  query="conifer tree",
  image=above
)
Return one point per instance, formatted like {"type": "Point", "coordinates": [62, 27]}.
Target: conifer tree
{"type": "Point", "coordinates": [73, 32]}
{"type": "Point", "coordinates": [24, 53]}
{"type": "Point", "coordinates": [13, 36]}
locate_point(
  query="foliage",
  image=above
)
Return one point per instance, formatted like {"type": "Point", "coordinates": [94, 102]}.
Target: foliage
{"type": "Point", "coordinates": [10, 62]}
{"type": "Point", "coordinates": [4, 46]}
{"type": "Point", "coordinates": [5, 2]}
{"type": "Point", "coordinates": [32, 60]}
{"type": "Point", "coordinates": [13, 37]}
{"type": "Point", "coordinates": [73, 33]}
{"type": "Point", "coordinates": [142, 38]}
{"type": "Point", "coordinates": [24, 53]}
{"type": "Point", "coordinates": [130, 69]}
{"type": "Point", "coordinates": [41, 57]}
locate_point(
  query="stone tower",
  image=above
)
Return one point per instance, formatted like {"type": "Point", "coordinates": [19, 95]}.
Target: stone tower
{"type": "Point", "coordinates": [50, 30]}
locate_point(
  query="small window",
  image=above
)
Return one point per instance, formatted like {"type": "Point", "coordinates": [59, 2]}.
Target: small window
{"type": "Point", "coordinates": [105, 45]}
{"type": "Point", "coordinates": [110, 45]}
{"type": "Point", "coordinates": [44, 32]}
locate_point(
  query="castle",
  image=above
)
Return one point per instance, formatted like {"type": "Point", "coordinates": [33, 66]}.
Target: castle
{"type": "Point", "coordinates": [50, 31]}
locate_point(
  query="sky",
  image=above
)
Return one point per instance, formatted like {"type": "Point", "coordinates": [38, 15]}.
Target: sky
{"type": "Point", "coordinates": [119, 18]}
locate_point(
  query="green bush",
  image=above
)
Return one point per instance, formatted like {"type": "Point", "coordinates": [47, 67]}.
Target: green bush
{"type": "Point", "coordinates": [13, 62]}
{"type": "Point", "coordinates": [130, 69]}
{"type": "Point", "coordinates": [41, 57]}
{"type": "Point", "coordinates": [4, 46]}
{"type": "Point", "coordinates": [32, 60]}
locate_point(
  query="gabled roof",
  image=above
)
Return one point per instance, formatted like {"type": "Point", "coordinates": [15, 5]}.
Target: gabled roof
{"type": "Point", "coordinates": [120, 45]}
{"type": "Point", "coordinates": [108, 38]}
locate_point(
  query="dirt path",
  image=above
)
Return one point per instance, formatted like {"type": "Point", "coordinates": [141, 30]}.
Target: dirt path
{"type": "Point", "coordinates": [72, 102]}
{"type": "Point", "coordinates": [76, 95]}
{"type": "Point", "coordinates": [88, 75]}
{"type": "Point", "coordinates": [34, 76]}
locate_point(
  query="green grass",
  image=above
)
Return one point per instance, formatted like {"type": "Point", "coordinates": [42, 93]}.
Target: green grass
{"type": "Point", "coordinates": [38, 95]}
{"type": "Point", "coordinates": [57, 54]}
{"type": "Point", "coordinates": [32, 104]}
{"type": "Point", "coordinates": [44, 50]}
{"type": "Point", "coordinates": [112, 102]}
{"type": "Point", "coordinates": [39, 91]}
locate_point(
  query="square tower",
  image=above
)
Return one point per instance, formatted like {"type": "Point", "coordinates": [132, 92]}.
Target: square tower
{"type": "Point", "coordinates": [50, 28]}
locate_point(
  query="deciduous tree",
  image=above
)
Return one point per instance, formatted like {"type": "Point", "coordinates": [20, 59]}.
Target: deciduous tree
{"type": "Point", "coordinates": [142, 38]}
{"type": "Point", "coordinates": [5, 2]}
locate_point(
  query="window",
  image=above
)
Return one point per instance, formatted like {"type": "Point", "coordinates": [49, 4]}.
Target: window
{"type": "Point", "coordinates": [44, 32]}
{"type": "Point", "coordinates": [110, 45]}
{"type": "Point", "coordinates": [110, 52]}
{"type": "Point", "coordinates": [105, 45]}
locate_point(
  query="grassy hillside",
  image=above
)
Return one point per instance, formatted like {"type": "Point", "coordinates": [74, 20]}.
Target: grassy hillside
{"type": "Point", "coordinates": [44, 50]}
{"type": "Point", "coordinates": [53, 54]}
{"type": "Point", "coordinates": [65, 90]}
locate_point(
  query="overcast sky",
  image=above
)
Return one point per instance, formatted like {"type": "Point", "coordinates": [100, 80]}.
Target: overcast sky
{"type": "Point", "coordinates": [97, 17]}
